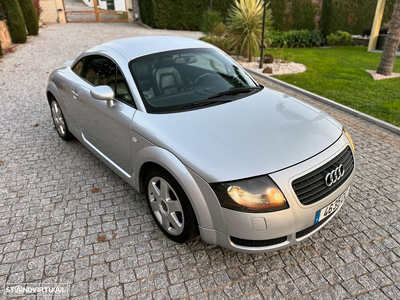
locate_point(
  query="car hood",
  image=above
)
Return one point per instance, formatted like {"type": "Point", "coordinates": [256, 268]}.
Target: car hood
{"type": "Point", "coordinates": [255, 135]}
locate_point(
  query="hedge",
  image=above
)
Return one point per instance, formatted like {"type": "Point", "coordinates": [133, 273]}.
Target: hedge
{"type": "Point", "coordinates": [146, 8]}
{"type": "Point", "coordinates": [296, 38]}
{"type": "Point", "coordinates": [333, 15]}
{"type": "Point", "coordinates": [294, 14]}
{"type": "Point", "coordinates": [327, 15]}
{"type": "Point", "coordinates": [351, 16]}
{"type": "Point", "coordinates": [15, 20]}
{"type": "Point", "coordinates": [179, 14]}
{"type": "Point", "coordinates": [30, 16]}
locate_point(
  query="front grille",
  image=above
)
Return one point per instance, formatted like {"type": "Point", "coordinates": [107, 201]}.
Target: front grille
{"type": "Point", "coordinates": [310, 229]}
{"type": "Point", "coordinates": [257, 243]}
{"type": "Point", "coordinates": [311, 187]}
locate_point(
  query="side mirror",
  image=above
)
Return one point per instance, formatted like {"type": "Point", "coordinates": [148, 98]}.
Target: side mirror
{"type": "Point", "coordinates": [102, 92]}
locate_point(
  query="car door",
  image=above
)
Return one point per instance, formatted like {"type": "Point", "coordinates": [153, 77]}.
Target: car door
{"type": "Point", "coordinates": [105, 129]}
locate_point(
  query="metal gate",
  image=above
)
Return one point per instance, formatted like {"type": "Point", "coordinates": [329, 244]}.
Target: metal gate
{"type": "Point", "coordinates": [95, 11]}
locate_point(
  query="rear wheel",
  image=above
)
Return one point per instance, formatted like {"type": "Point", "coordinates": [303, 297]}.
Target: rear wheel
{"type": "Point", "coordinates": [59, 121]}
{"type": "Point", "coordinates": [170, 206]}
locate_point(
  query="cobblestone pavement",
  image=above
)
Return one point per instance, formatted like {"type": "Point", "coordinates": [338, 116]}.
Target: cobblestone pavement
{"type": "Point", "coordinates": [53, 228]}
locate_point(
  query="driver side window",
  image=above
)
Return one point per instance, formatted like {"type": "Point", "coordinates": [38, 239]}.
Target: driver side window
{"type": "Point", "coordinates": [122, 90]}
{"type": "Point", "coordinates": [100, 70]}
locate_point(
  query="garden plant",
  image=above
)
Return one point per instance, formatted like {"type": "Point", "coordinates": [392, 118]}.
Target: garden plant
{"type": "Point", "coordinates": [30, 16]}
{"type": "Point", "coordinates": [244, 22]}
{"type": "Point", "coordinates": [15, 20]}
{"type": "Point", "coordinates": [210, 21]}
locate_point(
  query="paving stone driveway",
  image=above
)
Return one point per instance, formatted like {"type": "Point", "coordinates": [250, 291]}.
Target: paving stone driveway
{"type": "Point", "coordinates": [53, 228]}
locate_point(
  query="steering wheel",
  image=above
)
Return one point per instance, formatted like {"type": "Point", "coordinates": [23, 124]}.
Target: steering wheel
{"type": "Point", "coordinates": [199, 79]}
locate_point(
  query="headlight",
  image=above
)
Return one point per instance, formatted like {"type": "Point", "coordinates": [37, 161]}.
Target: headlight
{"type": "Point", "coordinates": [256, 195]}
{"type": "Point", "coordinates": [349, 138]}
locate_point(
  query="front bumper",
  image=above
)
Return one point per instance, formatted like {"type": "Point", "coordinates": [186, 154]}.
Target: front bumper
{"type": "Point", "coordinates": [264, 232]}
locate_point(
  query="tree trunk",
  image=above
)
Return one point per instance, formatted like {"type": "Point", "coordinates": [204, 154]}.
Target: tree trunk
{"type": "Point", "coordinates": [249, 51]}
{"type": "Point", "coordinates": [392, 43]}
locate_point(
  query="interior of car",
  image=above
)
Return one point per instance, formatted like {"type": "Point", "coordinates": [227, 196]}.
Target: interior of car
{"type": "Point", "coordinates": [181, 77]}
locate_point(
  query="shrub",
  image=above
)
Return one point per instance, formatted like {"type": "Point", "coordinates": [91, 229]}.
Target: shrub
{"type": "Point", "coordinates": [38, 8]}
{"type": "Point", "coordinates": [303, 13]}
{"type": "Point", "coordinates": [283, 55]}
{"type": "Point", "coordinates": [30, 16]}
{"type": "Point", "coordinates": [15, 20]}
{"type": "Point", "coordinates": [179, 14]}
{"type": "Point", "coordinates": [296, 38]}
{"type": "Point", "coordinates": [210, 21]}
{"type": "Point", "coordinates": [316, 38]}
{"type": "Point", "coordinates": [146, 9]}
{"type": "Point", "coordinates": [245, 22]}
{"type": "Point", "coordinates": [340, 38]}
{"type": "Point", "coordinates": [220, 29]}
{"type": "Point", "coordinates": [220, 42]}
{"type": "Point", "coordinates": [2, 15]}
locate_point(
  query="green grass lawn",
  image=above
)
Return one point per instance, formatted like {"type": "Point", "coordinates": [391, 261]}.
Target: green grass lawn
{"type": "Point", "coordinates": [339, 74]}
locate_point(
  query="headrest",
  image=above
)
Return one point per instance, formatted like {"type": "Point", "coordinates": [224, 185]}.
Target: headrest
{"type": "Point", "coordinates": [164, 62]}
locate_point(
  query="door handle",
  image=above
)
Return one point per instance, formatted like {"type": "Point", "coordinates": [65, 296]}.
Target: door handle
{"type": "Point", "coordinates": [74, 93]}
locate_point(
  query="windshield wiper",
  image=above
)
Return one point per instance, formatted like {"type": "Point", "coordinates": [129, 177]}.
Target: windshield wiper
{"type": "Point", "coordinates": [236, 91]}
{"type": "Point", "coordinates": [199, 104]}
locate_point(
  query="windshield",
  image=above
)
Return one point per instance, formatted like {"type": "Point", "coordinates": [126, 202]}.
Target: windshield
{"type": "Point", "coordinates": [189, 78]}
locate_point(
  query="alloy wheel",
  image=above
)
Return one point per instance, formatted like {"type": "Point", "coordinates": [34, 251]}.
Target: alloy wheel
{"type": "Point", "coordinates": [58, 118]}
{"type": "Point", "coordinates": [166, 205]}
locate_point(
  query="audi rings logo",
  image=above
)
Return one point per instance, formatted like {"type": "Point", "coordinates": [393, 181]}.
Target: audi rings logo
{"type": "Point", "coordinates": [334, 176]}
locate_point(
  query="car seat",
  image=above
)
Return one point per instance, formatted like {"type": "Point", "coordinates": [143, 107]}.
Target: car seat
{"type": "Point", "coordinates": [167, 79]}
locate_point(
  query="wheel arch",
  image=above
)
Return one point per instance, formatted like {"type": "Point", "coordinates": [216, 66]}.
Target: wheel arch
{"type": "Point", "coordinates": [153, 156]}
{"type": "Point", "coordinates": [52, 91]}
{"type": "Point", "coordinates": [146, 167]}
{"type": "Point", "coordinates": [49, 95]}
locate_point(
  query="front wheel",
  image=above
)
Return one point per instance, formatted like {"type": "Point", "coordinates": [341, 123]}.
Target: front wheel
{"type": "Point", "coordinates": [170, 206]}
{"type": "Point", "coordinates": [59, 121]}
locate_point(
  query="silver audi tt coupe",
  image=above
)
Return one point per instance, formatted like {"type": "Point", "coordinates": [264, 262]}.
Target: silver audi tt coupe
{"type": "Point", "coordinates": [215, 153]}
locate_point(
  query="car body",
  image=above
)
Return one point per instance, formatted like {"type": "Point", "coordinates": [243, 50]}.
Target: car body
{"type": "Point", "coordinates": [249, 168]}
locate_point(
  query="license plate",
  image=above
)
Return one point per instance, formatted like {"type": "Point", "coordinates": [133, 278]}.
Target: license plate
{"type": "Point", "coordinates": [330, 208]}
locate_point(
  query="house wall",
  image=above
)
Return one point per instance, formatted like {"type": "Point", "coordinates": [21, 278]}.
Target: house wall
{"type": "Point", "coordinates": [5, 37]}
{"type": "Point", "coordinates": [49, 13]}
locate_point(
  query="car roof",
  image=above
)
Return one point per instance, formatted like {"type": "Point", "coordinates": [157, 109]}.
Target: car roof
{"type": "Point", "coordinates": [135, 47]}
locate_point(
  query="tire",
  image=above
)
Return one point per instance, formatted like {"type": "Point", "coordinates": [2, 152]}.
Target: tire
{"type": "Point", "coordinates": [170, 206]}
{"type": "Point", "coordinates": [59, 120]}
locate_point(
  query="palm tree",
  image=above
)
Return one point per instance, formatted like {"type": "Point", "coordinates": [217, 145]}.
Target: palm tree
{"type": "Point", "coordinates": [244, 24]}
{"type": "Point", "coordinates": [392, 43]}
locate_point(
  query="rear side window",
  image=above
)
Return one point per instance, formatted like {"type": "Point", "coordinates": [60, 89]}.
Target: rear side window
{"type": "Point", "coordinates": [78, 67]}
{"type": "Point", "coordinates": [99, 70]}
